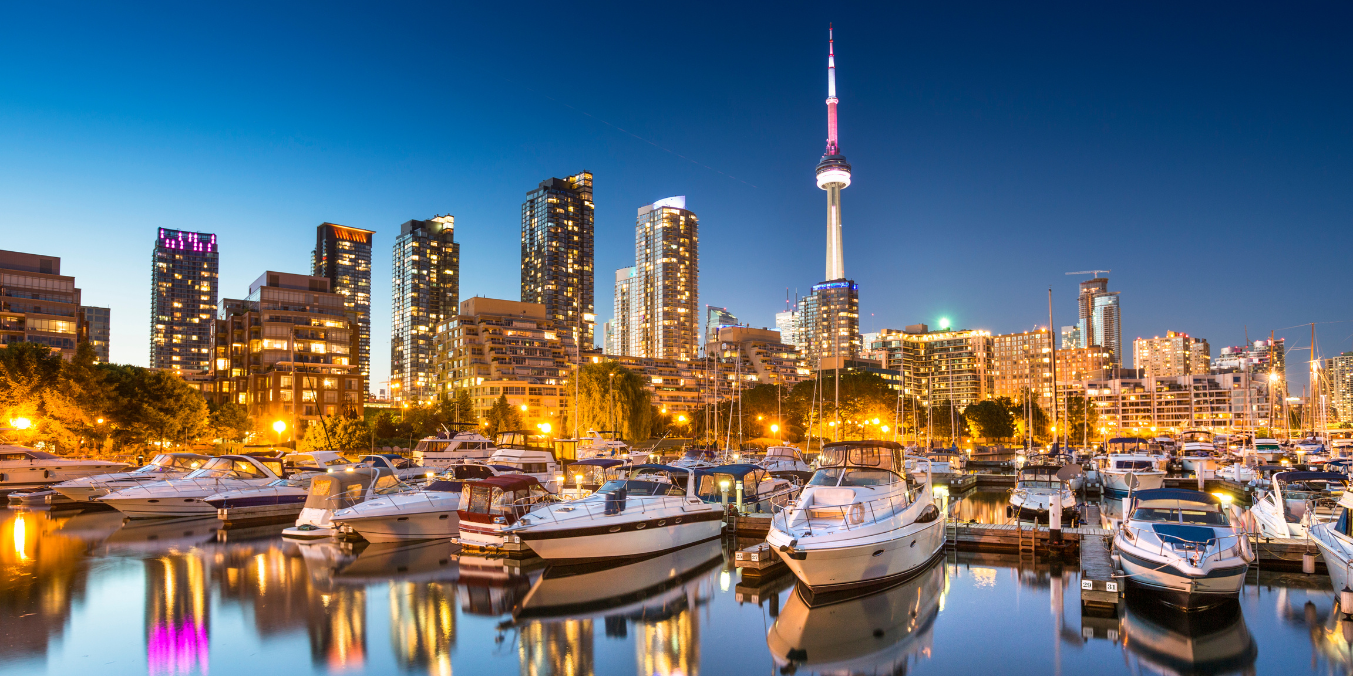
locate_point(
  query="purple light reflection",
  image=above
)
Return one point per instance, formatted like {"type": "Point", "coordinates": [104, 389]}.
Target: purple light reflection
{"type": "Point", "coordinates": [177, 649]}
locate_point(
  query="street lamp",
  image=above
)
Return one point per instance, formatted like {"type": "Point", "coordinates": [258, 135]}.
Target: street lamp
{"type": "Point", "coordinates": [279, 427]}
{"type": "Point", "coordinates": [775, 429]}
{"type": "Point", "coordinates": [21, 423]}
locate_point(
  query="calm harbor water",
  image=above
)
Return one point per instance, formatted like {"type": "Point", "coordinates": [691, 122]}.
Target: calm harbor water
{"type": "Point", "coordinates": [92, 594]}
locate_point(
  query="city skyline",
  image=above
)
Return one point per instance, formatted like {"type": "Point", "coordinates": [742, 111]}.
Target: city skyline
{"type": "Point", "coordinates": [958, 157]}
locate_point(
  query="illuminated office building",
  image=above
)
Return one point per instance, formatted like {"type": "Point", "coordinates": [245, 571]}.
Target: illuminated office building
{"type": "Point", "coordinates": [37, 303]}
{"type": "Point", "coordinates": [342, 255]}
{"type": "Point", "coordinates": [557, 253]}
{"type": "Point", "coordinates": [183, 291]}
{"type": "Point", "coordinates": [425, 292]}
{"type": "Point", "coordinates": [97, 329]}
{"type": "Point", "coordinates": [1022, 363]}
{"type": "Point", "coordinates": [1177, 354]}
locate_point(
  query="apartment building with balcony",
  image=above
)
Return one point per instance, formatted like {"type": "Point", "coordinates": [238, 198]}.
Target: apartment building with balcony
{"type": "Point", "coordinates": [1218, 402]}
{"type": "Point", "coordinates": [288, 351]}
{"type": "Point", "coordinates": [37, 303]}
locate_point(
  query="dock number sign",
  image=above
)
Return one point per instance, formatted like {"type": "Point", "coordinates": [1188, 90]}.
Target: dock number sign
{"type": "Point", "coordinates": [1087, 584]}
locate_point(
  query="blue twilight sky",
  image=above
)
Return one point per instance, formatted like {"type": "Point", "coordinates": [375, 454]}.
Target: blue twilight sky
{"type": "Point", "coordinates": [1201, 152]}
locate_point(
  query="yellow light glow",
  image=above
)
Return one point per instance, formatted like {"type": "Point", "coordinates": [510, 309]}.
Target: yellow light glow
{"type": "Point", "coordinates": [774, 429]}
{"type": "Point", "coordinates": [578, 479]}
{"type": "Point", "coordinates": [876, 421]}
{"type": "Point", "coordinates": [21, 423]}
{"type": "Point", "coordinates": [884, 428]}
{"type": "Point", "coordinates": [1224, 497]}
{"type": "Point", "coordinates": [523, 407]}
{"type": "Point", "coordinates": [279, 427]}
{"type": "Point", "coordinates": [681, 418]}
{"type": "Point", "coordinates": [99, 421]}
{"type": "Point", "coordinates": [20, 535]}
{"type": "Point", "coordinates": [545, 428]}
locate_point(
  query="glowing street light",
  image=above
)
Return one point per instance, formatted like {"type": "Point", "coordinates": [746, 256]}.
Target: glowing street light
{"type": "Point", "coordinates": [944, 323]}
{"type": "Point", "coordinates": [21, 423]}
{"type": "Point", "coordinates": [544, 428]}
{"type": "Point", "coordinates": [279, 427]}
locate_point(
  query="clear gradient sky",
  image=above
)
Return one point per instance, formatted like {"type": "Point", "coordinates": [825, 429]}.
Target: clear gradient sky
{"type": "Point", "coordinates": [1201, 152]}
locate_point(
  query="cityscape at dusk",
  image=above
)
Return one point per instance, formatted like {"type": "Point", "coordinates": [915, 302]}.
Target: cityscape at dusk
{"type": "Point", "coordinates": [581, 336]}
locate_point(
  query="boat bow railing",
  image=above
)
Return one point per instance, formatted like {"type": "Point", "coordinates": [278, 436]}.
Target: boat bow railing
{"type": "Point", "coordinates": [1190, 553]}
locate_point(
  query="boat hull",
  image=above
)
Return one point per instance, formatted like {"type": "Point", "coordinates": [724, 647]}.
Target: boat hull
{"type": "Point", "coordinates": [149, 508]}
{"type": "Point", "coordinates": [1116, 482]}
{"type": "Point", "coordinates": [1179, 589]}
{"type": "Point", "coordinates": [866, 564]}
{"type": "Point", "coordinates": [635, 539]}
{"type": "Point", "coordinates": [433, 520]}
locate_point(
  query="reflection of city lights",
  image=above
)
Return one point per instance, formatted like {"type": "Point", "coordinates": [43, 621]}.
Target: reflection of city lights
{"type": "Point", "coordinates": [724, 580]}
{"type": "Point", "coordinates": [20, 534]}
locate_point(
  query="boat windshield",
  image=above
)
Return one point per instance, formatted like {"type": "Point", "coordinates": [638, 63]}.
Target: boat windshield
{"type": "Point", "coordinates": [633, 487]}
{"type": "Point", "coordinates": [1197, 516]}
{"type": "Point", "coordinates": [1134, 464]}
{"type": "Point", "coordinates": [850, 476]}
{"type": "Point", "coordinates": [220, 468]}
{"type": "Point", "coordinates": [1030, 483]}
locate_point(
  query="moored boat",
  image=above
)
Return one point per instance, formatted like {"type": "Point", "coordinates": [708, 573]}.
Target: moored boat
{"type": "Point", "coordinates": [1183, 546]}
{"type": "Point", "coordinates": [1294, 501]}
{"type": "Point", "coordinates": [490, 506]}
{"type": "Point", "coordinates": [644, 515]}
{"type": "Point", "coordinates": [1037, 490]}
{"type": "Point", "coordinates": [861, 521]}
{"type": "Point", "coordinates": [26, 468]}
{"type": "Point", "coordinates": [164, 466]}
{"type": "Point", "coordinates": [335, 491]}
{"type": "Point", "coordinates": [427, 514]}
{"type": "Point", "coordinates": [186, 496]}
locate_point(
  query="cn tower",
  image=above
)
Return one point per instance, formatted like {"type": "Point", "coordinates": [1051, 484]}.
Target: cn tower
{"type": "Point", "coordinates": [833, 173]}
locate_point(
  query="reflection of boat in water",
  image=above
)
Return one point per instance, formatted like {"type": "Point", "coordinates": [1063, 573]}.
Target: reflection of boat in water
{"type": "Point", "coordinates": [882, 633]}
{"type": "Point", "coordinates": [626, 589]}
{"type": "Point", "coordinates": [429, 561]}
{"type": "Point", "coordinates": [1169, 641]}
{"type": "Point", "coordinates": [490, 586]}
{"type": "Point", "coordinates": [139, 536]}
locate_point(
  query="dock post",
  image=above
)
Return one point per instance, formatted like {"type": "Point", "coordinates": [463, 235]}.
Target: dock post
{"type": "Point", "coordinates": [1055, 520]}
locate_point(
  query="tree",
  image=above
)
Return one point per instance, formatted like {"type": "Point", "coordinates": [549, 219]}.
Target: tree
{"type": "Point", "coordinates": [336, 433]}
{"type": "Point", "coordinates": [503, 417]}
{"type": "Point", "coordinates": [1080, 419]}
{"type": "Point", "coordinates": [229, 421]}
{"type": "Point", "coordinates": [1041, 422]}
{"type": "Point", "coordinates": [460, 406]}
{"type": "Point", "coordinates": [990, 420]}
{"type": "Point", "coordinates": [153, 407]}
{"type": "Point", "coordinates": [613, 397]}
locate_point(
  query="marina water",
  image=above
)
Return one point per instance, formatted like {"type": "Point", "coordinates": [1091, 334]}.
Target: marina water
{"type": "Point", "coordinates": [91, 593]}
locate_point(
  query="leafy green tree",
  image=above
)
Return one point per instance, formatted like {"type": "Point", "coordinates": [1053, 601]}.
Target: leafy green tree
{"type": "Point", "coordinates": [229, 421]}
{"type": "Point", "coordinates": [153, 407]}
{"type": "Point", "coordinates": [613, 397]}
{"type": "Point", "coordinates": [990, 420]}
{"type": "Point", "coordinates": [503, 417]}
{"type": "Point", "coordinates": [337, 433]}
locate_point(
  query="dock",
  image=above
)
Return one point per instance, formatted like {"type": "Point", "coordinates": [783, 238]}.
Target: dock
{"type": "Point", "coordinates": [258, 515]}
{"type": "Point", "coordinates": [1099, 587]}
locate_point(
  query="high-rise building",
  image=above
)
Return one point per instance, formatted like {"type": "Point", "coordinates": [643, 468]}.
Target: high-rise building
{"type": "Point", "coordinates": [425, 291]}
{"type": "Point", "coordinates": [787, 323]}
{"type": "Point", "coordinates": [1153, 405]}
{"type": "Point", "coordinates": [184, 275]}
{"type": "Point", "coordinates": [716, 317]}
{"type": "Point", "coordinates": [831, 313]}
{"type": "Point", "coordinates": [1071, 337]}
{"type": "Point", "coordinates": [1177, 354]}
{"type": "Point", "coordinates": [37, 303]}
{"type": "Point", "coordinates": [1075, 364]}
{"type": "Point", "coordinates": [663, 317]}
{"type": "Point", "coordinates": [620, 331]}
{"type": "Point", "coordinates": [1340, 373]}
{"type": "Point", "coordinates": [342, 255]}
{"type": "Point", "coordinates": [1100, 322]}
{"type": "Point", "coordinates": [557, 253]}
{"type": "Point", "coordinates": [829, 321]}
{"type": "Point", "coordinates": [936, 366]}
{"type": "Point", "coordinates": [97, 328]}
{"type": "Point", "coordinates": [1021, 366]}
{"type": "Point", "coordinates": [285, 351]}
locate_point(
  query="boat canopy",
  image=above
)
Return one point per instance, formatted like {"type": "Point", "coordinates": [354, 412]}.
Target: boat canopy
{"type": "Point", "coordinates": [1293, 477]}
{"type": "Point", "coordinates": [345, 489]}
{"type": "Point", "coordinates": [508, 482]}
{"type": "Point", "coordinates": [1040, 472]}
{"type": "Point", "coordinates": [525, 441]}
{"type": "Point", "coordinates": [885, 455]}
{"type": "Point", "coordinates": [604, 463]}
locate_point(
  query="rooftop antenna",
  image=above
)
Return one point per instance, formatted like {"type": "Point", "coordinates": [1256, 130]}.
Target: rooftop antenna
{"type": "Point", "coordinates": [1090, 272]}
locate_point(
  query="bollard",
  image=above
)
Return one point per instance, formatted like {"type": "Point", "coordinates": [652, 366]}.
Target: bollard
{"type": "Point", "coordinates": [1308, 562]}
{"type": "Point", "coordinates": [1055, 519]}
{"type": "Point", "coordinates": [1346, 601]}
{"type": "Point", "coordinates": [739, 487]}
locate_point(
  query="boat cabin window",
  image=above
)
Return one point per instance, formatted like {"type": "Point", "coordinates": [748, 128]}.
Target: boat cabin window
{"type": "Point", "coordinates": [1039, 483]}
{"type": "Point", "coordinates": [850, 476]}
{"type": "Point", "coordinates": [1134, 464]}
{"type": "Point", "coordinates": [180, 462]}
{"type": "Point", "coordinates": [566, 449]}
{"type": "Point", "coordinates": [633, 487]}
{"type": "Point", "coordinates": [588, 475]}
{"type": "Point", "coordinates": [1193, 515]}
{"type": "Point", "coordinates": [530, 467]}
{"type": "Point", "coordinates": [388, 484]}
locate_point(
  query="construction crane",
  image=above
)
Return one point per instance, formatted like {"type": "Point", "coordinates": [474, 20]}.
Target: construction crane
{"type": "Point", "coordinates": [1090, 272]}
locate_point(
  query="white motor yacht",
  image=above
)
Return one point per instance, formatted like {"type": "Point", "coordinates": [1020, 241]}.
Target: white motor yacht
{"type": "Point", "coordinates": [439, 452]}
{"type": "Point", "coordinates": [291, 491]}
{"type": "Point", "coordinates": [749, 487]}
{"type": "Point", "coordinates": [1296, 500]}
{"type": "Point", "coordinates": [1266, 449]}
{"type": "Point", "coordinates": [1238, 472]}
{"type": "Point", "coordinates": [185, 496]}
{"type": "Point", "coordinates": [1037, 489]}
{"type": "Point", "coordinates": [528, 454]}
{"type": "Point", "coordinates": [405, 469]}
{"type": "Point", "coordinates": [1115, 468]}
{"type": "Point", "coordinates": [1195, 448]}
{"type": "Point", "coordinates": [1334, 538]}
{"type": "Point", "coordinates": [785, 459]}
{"type": "Point", "coordinates": [23, 468]}
{"type": "Point", "coordinates": [1184, 546]}
{"type": "Point", "coordinates": [490, 506]}
{"type": "Point", "coordinates": [335, 491]}
{"type": "Point", "coordinates": [623, 519]}
{"type": "Point", "coordinates": [427, 514]}
{"type": "Point", "coordinates": [164, 466]}
{"type": "Point", "coordinates": [600, 445]}
{"type": "Point", "coordinates": [861, 521]}
{"type": "Point", "coordinates": [1341, 449]}
{"type": "Point", "coordinates": [887, 632]}
{"type": "Point", "coordinates": [696, 458]}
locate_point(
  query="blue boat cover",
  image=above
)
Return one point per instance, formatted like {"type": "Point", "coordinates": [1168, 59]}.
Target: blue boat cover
{"type": "Point", "coordinates": [1178, 532]}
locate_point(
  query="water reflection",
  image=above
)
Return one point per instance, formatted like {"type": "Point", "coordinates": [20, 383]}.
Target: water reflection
{"type": "Point", "coordinates": [982, 506]}
{"type": "Point", "coordinates": [883, 633]}
{"type": "Point", "coordinates": [71, 581]}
